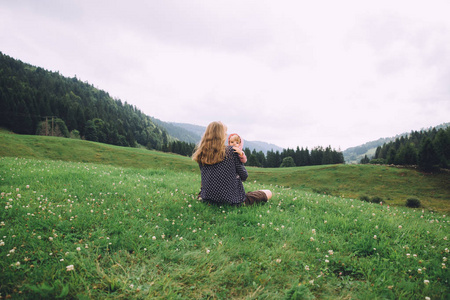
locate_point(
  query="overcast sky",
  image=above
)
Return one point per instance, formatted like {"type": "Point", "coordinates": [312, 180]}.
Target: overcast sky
{"type": "Point", "coordinates": [291, 73]}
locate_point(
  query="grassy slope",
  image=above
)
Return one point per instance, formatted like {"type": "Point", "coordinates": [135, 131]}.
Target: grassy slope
{"type": "Point", "coordinates": [394, 185]}
{"type": "Point", "coordinates": [138, 232]}
{"type": "Point", "coordinates": [42, 147]}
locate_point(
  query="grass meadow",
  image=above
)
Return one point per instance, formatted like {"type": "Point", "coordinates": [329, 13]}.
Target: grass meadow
{"type": "Point", "coordinates": [102, 228]}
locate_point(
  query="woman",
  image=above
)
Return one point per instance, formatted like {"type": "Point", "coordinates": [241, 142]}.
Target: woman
{"type": "Point", "coordinates": [222, 172]}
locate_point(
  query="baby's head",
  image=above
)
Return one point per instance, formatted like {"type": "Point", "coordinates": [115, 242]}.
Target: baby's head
{"type": "Point", "coordinates": [234, 140]}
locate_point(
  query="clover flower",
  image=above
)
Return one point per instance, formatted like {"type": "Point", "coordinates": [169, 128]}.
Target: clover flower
{"type": "Point", "coordinates": [70, 268]}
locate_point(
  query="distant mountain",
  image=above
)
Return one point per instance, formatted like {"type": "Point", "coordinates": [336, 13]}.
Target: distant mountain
{"type": "Point", "coordinates": [195, 129]}
{"type": "Point", "coordinates": [193, 133]}
{"type": "Point", "coordinates": [188, 133]}
{"type": "Point", "coordinates": [355, 154]}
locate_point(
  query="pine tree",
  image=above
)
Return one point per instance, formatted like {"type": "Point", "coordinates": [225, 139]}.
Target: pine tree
{"type": "Point", "coordinates": [427, 156]}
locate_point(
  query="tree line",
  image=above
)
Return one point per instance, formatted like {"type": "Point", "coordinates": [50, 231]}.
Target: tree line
{"type": "Point", "coordinates": [429, 150]}
{"type": "Point", "coordinates": [294, 158]}
{"type": "Point", "coordinates": [273, 159]}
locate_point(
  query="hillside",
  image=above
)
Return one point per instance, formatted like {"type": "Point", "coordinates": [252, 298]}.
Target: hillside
{"type": "Point", "coordinates": [188, 133]}
{"type": "Point", "coordinates": [36, 101]}
{"type": "Point", "coordinates": [393, 185]}
{"type": "Point", "coordinates": [355, 154]}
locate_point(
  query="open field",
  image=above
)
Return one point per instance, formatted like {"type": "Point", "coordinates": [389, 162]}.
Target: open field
{"type": "Point", "coordinates": [124, 223]}
{"type": "Point", "coordinates": [393, 185]}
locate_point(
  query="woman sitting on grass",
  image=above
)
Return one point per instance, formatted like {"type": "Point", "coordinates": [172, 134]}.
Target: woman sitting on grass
{"type": "Point", "coordinates": [222, 172]}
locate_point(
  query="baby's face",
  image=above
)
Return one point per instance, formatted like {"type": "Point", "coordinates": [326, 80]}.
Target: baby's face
{"type": "Point", "coordinates": [234, 142]}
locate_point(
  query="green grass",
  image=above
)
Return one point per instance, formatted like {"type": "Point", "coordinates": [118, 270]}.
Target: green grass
{"type": "Point", "coordinates": [54, 148]}
{"type": "Point", "coordinates": [393, 185]}
{"type": "Point", "coordinates": [137, 232]}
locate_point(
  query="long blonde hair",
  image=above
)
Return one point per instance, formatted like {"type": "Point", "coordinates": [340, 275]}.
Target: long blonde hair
{"type": "Point", "coordinates": [211, 149]}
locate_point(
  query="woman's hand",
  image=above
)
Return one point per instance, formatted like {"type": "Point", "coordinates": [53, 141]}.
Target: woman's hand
{"type": "Point", "coordinates": [238, 151]}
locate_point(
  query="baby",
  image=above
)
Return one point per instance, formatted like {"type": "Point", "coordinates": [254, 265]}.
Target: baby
{"type": "Point", "coordinates": [235, 140]}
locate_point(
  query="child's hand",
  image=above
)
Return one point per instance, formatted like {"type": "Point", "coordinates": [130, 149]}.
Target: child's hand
{"type": "Point", "coordinates": [237, 150]}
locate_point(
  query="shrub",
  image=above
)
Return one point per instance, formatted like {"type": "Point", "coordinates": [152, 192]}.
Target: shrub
{"type": "Point", "coordinates": [376, 199]}
{"type": "Point", "coordinates": [378, 161]}
{"type": "Point", "coordinates": [287, 162]}
{"type": "Point", "coordinates": [75, 134]}
{"type": "Point", "coordinates": [413, 202]}
{"type": "Point", "coordinates": [364, 198]}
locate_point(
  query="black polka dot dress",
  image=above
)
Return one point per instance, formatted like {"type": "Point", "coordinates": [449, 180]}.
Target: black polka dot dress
{"type": "Point", "coordinates": [222, 182]}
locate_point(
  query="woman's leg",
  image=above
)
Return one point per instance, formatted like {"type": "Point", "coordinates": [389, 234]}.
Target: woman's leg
{"type": "Point", "coordinates": [255, 197]}
{"type": "Point", "coordinates": [268, 193]}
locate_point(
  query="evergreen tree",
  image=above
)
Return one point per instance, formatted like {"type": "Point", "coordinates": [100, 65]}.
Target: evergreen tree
{"type": "Point", "coordinates": [327, 157]}
{"type": "Point", "coordinates": [427, 156]}
{"type": "Point", "coordinates": [441, 144]}
{"type": "Point", "coordinates": [365, 160]}
{"type": "Point", "coordinates": [317, 156]}
{"type": "Point", "coordinates": [406, 155]}
{"type": "Point", "coordinates": [273, 159]}
{"type": "Point", "coordinates": [391, 155]}
{"type": "Point", "coordinates": [91, 131]}
{"type": "Point", "coordinates": [260, 157]}
{"type": "Point", "coordinates": [253, 160]}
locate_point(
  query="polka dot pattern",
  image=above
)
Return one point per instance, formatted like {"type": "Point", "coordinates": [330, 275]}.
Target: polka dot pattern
{"type": "Point", "coordinates": [220, 182]}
